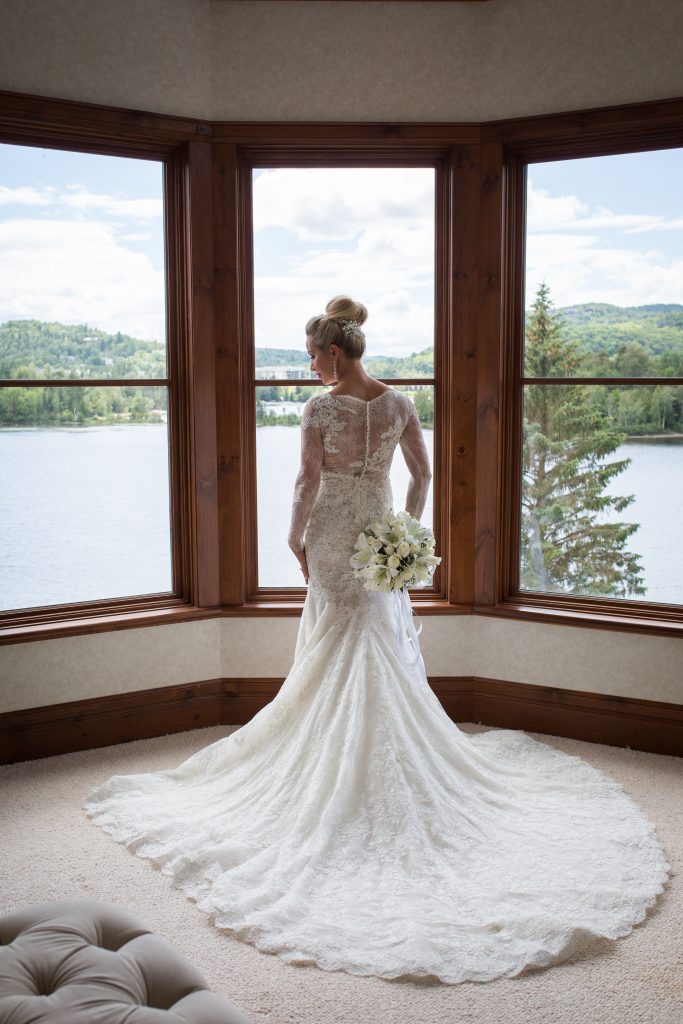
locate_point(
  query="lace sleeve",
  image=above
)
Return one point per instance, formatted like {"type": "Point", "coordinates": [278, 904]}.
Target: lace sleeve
{"type": "Point", "coordinates": [308, 478]}
{"type": "Point", "coordinates": [417, 460]}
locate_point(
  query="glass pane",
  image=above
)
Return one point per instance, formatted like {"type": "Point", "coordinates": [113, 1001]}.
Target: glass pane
{"type": "Point", "coordinates": [278, 449]}
{"type": "Point", "coordinates": [84, 495]}
{"type": "Point", "coordinates": [82, 265]}
{"type": "Point", "coordinates": [603, 256]}
{"type": "Point", "coordinates": [364, 232]}
{"type": "Point", "coordinates": [602, 491]}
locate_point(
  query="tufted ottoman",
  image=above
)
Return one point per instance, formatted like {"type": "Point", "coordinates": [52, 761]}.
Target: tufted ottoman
{"type": "Point", "coordinates": [87, 961]}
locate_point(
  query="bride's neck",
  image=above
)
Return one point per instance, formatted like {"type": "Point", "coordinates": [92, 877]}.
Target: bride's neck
{"type": "Point", "coordinates": [352, 374]}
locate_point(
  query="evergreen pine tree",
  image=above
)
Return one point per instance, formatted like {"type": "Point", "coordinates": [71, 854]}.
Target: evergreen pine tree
{"type": "Point", "coordinates": [566, 547]}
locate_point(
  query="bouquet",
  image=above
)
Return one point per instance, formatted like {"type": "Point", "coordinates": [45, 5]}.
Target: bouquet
{"type": "Point", "coordinates": [393, 553]}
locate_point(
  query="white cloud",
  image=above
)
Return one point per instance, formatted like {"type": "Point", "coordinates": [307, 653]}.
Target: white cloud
{"type": "Point", "coordinates": [113, 206]}
{"type": "Point", "coordinates": [378, 230]}
{"type": "Point", "coordinates": [551, 213]}
{"type": "Point", "coordinates": [25, 196]}
{"type": "Point", "coordinates": [548, 213]}
{"type": "Point", "coordinates": [585, 269]}
{"type": "Point", "coordinates": [400, 320]}
{"type": "Point", "coordinates": [568, 247]}
{"type": "Point", "coordinates": [78, 272]}
{"type": "Point", "coordinates": [336, 204]}
{"type": "Point", "coordinates": [82, 200]}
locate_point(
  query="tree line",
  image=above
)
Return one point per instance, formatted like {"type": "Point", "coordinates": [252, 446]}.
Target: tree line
{"type": "Point", "coordinates": [605, 341]}
{"type": "Point", "coordinates": [55, 406]}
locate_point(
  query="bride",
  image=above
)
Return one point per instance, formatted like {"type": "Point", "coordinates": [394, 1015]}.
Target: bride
{"type": "Point", "coordinates": [350, 823]}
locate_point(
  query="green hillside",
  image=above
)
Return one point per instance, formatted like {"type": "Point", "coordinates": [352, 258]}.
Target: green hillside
{"type": "Point", "coordinates": [31, 349]}
{"type": "Point", "coordinates": [612, 340]}
{"type": "Point", "coordinates": [627, 341]}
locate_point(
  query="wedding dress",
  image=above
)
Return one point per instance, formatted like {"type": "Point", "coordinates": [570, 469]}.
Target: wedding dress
{"type": "Point", "coordinates": [350, 823]}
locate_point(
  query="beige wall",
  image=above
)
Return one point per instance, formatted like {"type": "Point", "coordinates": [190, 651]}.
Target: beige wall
{"type": "Point", "coordinates": [52, 671]}
{"type": "Point", "coordinates": [329, 61]}
{"type": "Point", "coordinates": [358, 62]}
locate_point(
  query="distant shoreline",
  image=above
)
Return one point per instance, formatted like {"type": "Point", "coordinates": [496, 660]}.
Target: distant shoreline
{"type": "Point", "coordinates": [653, 437]}
{"type": "Point", "coordinates": [273, 423]}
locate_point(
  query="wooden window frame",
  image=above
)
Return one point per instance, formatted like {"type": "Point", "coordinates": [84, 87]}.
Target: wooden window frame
{"type": "Point", "coordinates": [314, 155]}
{"type": "Point", "coordinates": [601, 132]}
{"type": "Point", "coordinates": [479, 319]}
{"type": "Point", "coordinates": [183, 148]}
{"type": "Point", "coordinates": [238, 148]}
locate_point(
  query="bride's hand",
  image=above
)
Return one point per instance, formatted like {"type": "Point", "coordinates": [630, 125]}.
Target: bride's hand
{"type": "Point", "coordinates": [301, 558]}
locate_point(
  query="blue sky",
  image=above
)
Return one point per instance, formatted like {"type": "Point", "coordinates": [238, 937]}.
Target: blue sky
{"type": "Point", "coordinates": [607, 229]}
{"type": "Point", "coordinates": [81, 240]}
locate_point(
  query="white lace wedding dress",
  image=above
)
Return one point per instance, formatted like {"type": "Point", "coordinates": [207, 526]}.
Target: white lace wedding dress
{"type": "Point", "coordinates": [350, 823]}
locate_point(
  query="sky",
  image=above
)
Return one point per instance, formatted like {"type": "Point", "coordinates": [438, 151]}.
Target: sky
{"type": "Point", "coordinates": [606, 229]}
{"type": "Point", "coordinates": [81, 241]}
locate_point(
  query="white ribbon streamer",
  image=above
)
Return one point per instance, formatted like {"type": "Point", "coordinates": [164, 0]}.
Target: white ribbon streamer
{"type": "Point", "coordinates": [407, 642]}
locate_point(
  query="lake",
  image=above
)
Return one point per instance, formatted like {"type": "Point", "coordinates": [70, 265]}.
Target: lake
{"type": "Point", "coordinates": [84, 512]}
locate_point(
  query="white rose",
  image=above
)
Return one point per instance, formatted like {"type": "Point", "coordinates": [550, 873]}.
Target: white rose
{"type": "Point", "coordinates": [403, 549]}
{"type": "Point", "coordinates": [393, 561]}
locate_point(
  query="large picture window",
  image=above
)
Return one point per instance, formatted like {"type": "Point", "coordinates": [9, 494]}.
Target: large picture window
{"type": "Point", "coordinates": [84, 453]}
{"type": "Point", "coordinates": [523, 281]}
{"type": "Point", "coordinates": [364, 231]}
{"type": "Point", "coordinates": [601, 476]}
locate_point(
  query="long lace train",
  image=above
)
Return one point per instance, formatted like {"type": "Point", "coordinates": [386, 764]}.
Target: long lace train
{"type": "Point", "coordinates": [350, 823]}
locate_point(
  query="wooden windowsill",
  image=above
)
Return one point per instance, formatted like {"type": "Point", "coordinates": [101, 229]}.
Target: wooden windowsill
{"type": "Point", "coordinates": [83, 624]}
{"type": "Point", "coordinates": [294, 606]}
{"type": "Point", "coordinates": [584, 619]}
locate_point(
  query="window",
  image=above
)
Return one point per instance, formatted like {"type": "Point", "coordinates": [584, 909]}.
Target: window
{"type": "Point", "coordinates": [600, 457]}
{"type": "Point", "coordinates": [252, 228]}
{"type": "Point", "coordinates": [85, 512]}
{"type": "Point", "coordinates": [319, 231]}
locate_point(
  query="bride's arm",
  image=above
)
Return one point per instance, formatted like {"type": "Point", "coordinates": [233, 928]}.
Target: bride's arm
{"type": "Point", "coordinates": [308, 478]}
{"type": "Point", "coordinates": [417, 460]}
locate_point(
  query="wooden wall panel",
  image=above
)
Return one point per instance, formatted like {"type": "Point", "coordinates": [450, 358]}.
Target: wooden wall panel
{"type": "Point", "coordinates": [202, 396]}
{"type": "Point", "coordinates": [489, 354]}
{"type": "Point", "coordinates": [462, 384]}
{"type": "Point", "coordinates": [653, 726]}
{"type": "Point", "coordinates": [229, 376]}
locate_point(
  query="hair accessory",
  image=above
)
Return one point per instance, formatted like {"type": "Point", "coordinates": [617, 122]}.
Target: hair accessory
{"type": "Point", "coordinates": [352, 327]}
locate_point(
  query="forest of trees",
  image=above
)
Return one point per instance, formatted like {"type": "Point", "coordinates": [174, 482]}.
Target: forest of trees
{"type": "Point", "coordinates": [567, 546]}
{"type": "Point", "coordinates": [33, 350]}
{"type": "Point", "coordinates": [607, 341]}
{"type": "Point", "coordinates": [38, 407]}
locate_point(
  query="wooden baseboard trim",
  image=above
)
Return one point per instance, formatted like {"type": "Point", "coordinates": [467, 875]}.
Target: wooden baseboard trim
{"type": "Point", "coordinates": [653, 726]}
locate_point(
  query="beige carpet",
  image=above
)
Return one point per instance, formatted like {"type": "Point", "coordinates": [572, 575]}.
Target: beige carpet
{"type": "Point", "coordinates": [50, 850]}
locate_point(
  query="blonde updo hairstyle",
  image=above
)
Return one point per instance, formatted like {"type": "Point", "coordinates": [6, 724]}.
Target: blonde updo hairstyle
{"type": "Point", "coordinates": [328, 330]}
